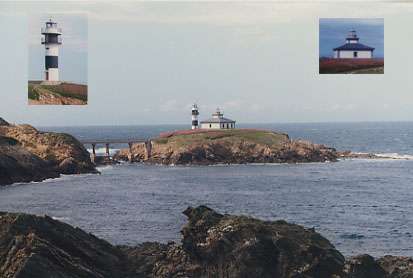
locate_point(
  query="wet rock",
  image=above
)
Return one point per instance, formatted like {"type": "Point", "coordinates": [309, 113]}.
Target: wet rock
{"type": "Point", "coordinates": [363, 266]}
{"type": "Point", "coordinates": [397, 267]}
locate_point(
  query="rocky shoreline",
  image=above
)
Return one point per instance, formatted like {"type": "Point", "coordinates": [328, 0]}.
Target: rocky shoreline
{"type": "Point", "coordinates": [239, 146]}
{"type": "Point", "coordinates": [27, 154]}
{"type": "Point", "coordinates": [213, 245]}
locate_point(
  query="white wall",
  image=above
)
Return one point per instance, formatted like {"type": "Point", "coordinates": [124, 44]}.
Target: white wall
{"type": "Point", "coordinates": [217, 126]}
{"type": "Point", "coordinates": [53, 74]}
{"type": "Point", "coordinates": [349, 54]}
{"type": "Point", "coordinates": [52, 49]}
{"type": "Point", "coordinates": [213, 126]}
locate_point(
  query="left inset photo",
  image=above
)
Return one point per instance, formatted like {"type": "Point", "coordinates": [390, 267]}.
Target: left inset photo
{"type": "Point", "coordinates": [58, 51]}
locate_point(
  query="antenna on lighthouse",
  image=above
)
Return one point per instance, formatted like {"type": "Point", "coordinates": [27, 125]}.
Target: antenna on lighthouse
{"type": "Point", "coordinates": [51, 41]}
{"type": "Point", "coordinates": [195, 113]}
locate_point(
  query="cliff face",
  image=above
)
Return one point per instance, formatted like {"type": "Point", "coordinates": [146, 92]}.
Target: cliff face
{"type": "Point", "coordinates": [19, 165]}
{"type": "Point", "coordinates": [40, 154]}
{"type": "Point", "coordinates": [213, 245]}
{"type": "Point", "coordinates": [228, 146]}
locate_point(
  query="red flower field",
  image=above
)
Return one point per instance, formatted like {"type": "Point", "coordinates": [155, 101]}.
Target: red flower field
{"type": "Point", "coordinates": [330, 65]}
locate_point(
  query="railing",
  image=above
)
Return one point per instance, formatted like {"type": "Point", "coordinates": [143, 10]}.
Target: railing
{"type": "Point", "coordinates": [57, 40]}
{"type": "Point", "coordinates": [51, 30]}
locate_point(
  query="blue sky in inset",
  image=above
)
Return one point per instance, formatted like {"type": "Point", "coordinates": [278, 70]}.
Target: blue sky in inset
{"type": "Point", "coordinates": [333, 32]}
{"type": "Point", "coordinates": [73, 52]}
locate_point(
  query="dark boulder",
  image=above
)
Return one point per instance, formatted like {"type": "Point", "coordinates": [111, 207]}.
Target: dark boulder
{"type": "Point", "coordinates": [363, 266]}
{"type": "Point", "coordinates": [213, 245]}
{"type": "Point", "coordinates": [3, 122]}
{"type": "Point", "coordinates": [240, 246]}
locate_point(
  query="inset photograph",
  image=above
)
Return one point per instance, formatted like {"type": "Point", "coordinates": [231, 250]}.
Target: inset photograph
{"type": "Point", "coordinates": [58, 59]}
{"type": "Point", "coordinates": [351, 46]}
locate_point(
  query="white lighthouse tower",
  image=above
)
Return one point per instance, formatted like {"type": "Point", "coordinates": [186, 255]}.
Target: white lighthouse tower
{"type": "Point", "coordinates": [51, 41]}
{"type": "Point", "coordinates": [195, 114]}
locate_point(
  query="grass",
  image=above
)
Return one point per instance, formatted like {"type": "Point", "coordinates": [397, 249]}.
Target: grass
{"type": "Point", "coordinates": [330, 65]}
{"type": "Point", "coordinates": [33, 94]}
{"type": "Point", "coordinates": [68, 90]}
{"type": "Point", "coordinates": [263, 137]}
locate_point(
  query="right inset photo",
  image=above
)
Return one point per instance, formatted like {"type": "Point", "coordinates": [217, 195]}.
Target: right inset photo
{"type": "Point", "coordinates": [351, 46]}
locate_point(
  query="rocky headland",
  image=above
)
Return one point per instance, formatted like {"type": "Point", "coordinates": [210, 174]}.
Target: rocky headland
{"type": "Point", "coordinates": [27, 154]}
{"type": "Point", "coordinates": [235, 146]}
{"type": "Point", "coordinates": [213, 245]}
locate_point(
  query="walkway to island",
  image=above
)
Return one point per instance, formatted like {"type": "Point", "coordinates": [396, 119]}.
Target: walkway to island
{"type": "Point", "coordinates": [108, 142]}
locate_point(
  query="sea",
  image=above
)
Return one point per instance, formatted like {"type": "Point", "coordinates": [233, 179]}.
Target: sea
{"type": "Point", "coordinates": [360, 205]}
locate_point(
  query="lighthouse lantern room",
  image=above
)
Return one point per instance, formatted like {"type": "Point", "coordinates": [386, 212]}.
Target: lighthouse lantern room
{"type": "Point", "coordinates": [51, 41]}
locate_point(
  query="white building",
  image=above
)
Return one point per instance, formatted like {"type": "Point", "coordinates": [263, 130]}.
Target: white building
{"type": "Point", "coordinates": [352, 49]}
{"type": "Point", "coordinates": [51, 41]}
{"type": "Point", "coordinates": [218, 122]}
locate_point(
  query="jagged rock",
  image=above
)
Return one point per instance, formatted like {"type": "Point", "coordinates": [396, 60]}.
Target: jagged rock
{"type": "Point", "coordinates": [235, 146]}
{"type": "Point", "coordinates": [363, 266]}
{"type": "Point", "coordinates": [213, 245]}
{"type": "Point", "coordinates": [240, 246]}
{"type": "Point", "coordinates": [397, 267]}
{"type": "Point", "coordinates": [60, 153]}
{"type": "Point", "coordinates": [32, 246]}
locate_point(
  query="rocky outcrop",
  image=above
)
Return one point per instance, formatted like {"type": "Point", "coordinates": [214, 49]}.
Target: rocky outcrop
{"type": "Point", "coordinates": [41, 154]}
{"type": "Point", "coordinates": [19, 165]}
{"type": "Point", "coordinates": [213, 245]}
{"type": "Point", "coordinates": [236, 146]}
{"type": "Point", "coordinates": [3, 122]}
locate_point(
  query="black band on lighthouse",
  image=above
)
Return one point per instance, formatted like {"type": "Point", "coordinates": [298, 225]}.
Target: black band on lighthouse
{"type": "Point", "coordinates": [195, 123]}
{"type": "Point", "coordinates": [51, 62]}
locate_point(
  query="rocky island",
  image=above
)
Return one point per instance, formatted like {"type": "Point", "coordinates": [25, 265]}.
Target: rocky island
{"type": "Point", "coordinates": [232, 146]}
{"type": "Point", "coordinates": [213, 245]}
{"type": "Point", "coordinates": [27, 154]}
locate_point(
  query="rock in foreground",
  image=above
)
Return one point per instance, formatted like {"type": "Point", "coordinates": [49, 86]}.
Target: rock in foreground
{"type": "Point", "coordinates": [213, 245]}
{"type": "Point", "coordinates": [235, 146]}
{"type": "Point", "coordinates": [27, 154]}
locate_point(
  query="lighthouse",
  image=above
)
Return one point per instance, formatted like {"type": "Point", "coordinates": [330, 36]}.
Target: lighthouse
{"type": "Point", "coordinates": [352, 49]}
{"type": "Point", "coordinates": [195, 114]}
{"type": "Point", "coordinates": [51, 41]}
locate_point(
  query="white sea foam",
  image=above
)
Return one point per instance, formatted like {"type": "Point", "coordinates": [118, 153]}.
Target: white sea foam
{"type": "Point", "coordinates": [395, 156]}
{"type": "Point", "coordinates": [101, 151]}
{"type": "Point", "coordinates": [62, 219]}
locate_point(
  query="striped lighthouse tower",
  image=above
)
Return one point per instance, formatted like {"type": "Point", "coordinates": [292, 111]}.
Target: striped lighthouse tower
{"type": "Point", "coordinates": [51, 41]}
{"type": "Point", "coordinates": [195, 114]}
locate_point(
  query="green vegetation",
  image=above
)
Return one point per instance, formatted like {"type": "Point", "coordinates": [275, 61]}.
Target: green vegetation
{"type": "Point", "coordinates": [33, 93]}
{"type": "Point", "coordinates": [262, 137]}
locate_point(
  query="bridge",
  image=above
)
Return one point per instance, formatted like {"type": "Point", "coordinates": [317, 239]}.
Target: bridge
{"type": "Point", "coordinates": [108, 142]}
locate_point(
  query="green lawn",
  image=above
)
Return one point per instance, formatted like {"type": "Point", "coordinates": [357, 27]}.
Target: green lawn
{"type": "Point", "coordinates": [257, 136]}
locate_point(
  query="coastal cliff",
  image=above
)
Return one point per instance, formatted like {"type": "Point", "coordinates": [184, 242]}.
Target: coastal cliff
{"type": "Point", "coordinates": [235, 146]}
{"type": "Point", "coordinates": [213, 245]}
{"type": "Point", "coordinates": [27, 154]}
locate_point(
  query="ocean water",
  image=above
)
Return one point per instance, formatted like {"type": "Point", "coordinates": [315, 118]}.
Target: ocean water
{"type": "Point", "coordinates": [361, 206]}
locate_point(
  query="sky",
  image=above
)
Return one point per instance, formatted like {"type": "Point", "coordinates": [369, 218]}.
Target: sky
{"type": "Point", "coordinates": [72, 51]}
{"type": "Point", "coordinates": [148, 62]}
{"type": "Point", "coordinates": [333, 32]}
